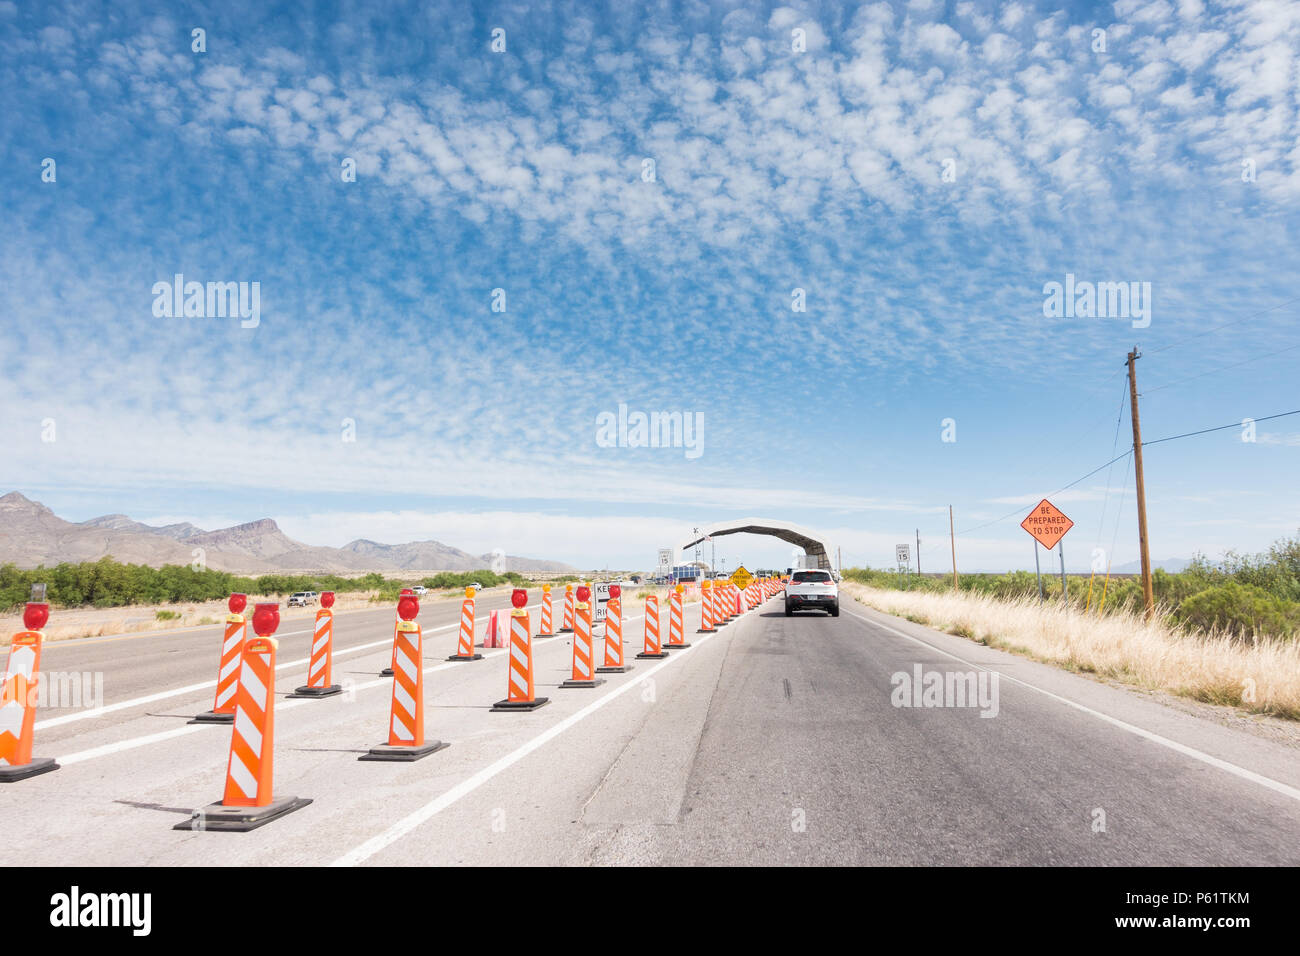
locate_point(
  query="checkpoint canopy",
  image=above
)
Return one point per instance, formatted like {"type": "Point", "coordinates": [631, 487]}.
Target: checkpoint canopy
{"type": "Point", "coordinates": [814, 545]}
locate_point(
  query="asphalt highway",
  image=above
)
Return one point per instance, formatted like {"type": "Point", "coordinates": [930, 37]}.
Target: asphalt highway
{"type": "Point", "coordinates": [776, 740]}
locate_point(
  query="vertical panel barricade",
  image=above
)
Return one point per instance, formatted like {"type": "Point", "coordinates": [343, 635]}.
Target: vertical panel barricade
{"type": "Point", "coordinates": [406, 714]}
{"type": "Point", "coordinates": [544, 628]}
{"type": "Point", "coordinates": [614, 639]}
{"type": "Point", "coordinates": [248, 801]}
{"type": "Point", "coordinates": [583, 672]}
{"type": "Point", "coordinates": [520, 693]}
{"type": "Point", "coordinates": [566, 625]}
{"type": "Point", "coordinates": [19, 689]}
{"type": "Point", "coordinates": [232, 649]}
{"type": "Point", "coordinates": [320, 665]}
{"type": "Point", "coordinates": [653, 649]}
{"type": "Point", "coordinates": [465, 637]}
{"type": "Point", "coordinates": [494, 635]}
{"type": "Point", "coordinates": [706, 608]}
{"type": "Point", "coordinates": [676, 620]}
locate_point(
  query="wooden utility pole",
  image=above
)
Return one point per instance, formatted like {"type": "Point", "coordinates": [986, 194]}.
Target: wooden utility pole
{"type": "Point", "coordinates": [953, 534]}
{"type": "Point", "coordinates": [1148, 597]}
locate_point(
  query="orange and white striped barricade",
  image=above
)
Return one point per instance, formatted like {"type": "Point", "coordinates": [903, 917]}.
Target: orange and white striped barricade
{"type": "Point", "coordinates": [653, 649]}
{"type": "Point", "coordinates": [232, 648]}
{"type": "Point", "coordinates": [583, 673]}
{"type": "Point", "coordinates": [248, 802]}
{"type": "Point", "coordinates": [544, 628]}
{"type": "Point", "coordinates": [495, 633]}
{"type": "Point", "coordinates": [706, 608]}
{"type": "Point", "coordinates": [19, 690]}
{"type": "Point", "coordinates": [520, 693]}
{"type": "Point", "coordinates": [614, 663]}
{"type": "Point", "coordinates": [320, 664]}
{"type": "Point", "coordinates": [388, 671]}
{"type": "Point", "coordinates": [465, 641]}
{"type": "Point", "coordinates": [566, 622]}
{"type": "Point", "coordinates": [676, 621]}
{"type": "Point", "coordinates": [406, 714]}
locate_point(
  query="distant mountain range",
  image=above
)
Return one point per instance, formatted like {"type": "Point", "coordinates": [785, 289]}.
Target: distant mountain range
{"type": "Point", "coordinates": [31, 534]}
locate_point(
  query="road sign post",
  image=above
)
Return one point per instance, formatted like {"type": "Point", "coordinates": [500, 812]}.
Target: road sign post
{"type": "Point", "coordinates": [1038, 573]}
{"type": "Point", "coordinates": [1047, 524]}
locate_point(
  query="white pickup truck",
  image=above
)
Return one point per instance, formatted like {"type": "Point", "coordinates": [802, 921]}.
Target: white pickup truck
{"type": "Point", "coordinates": [812, 589]}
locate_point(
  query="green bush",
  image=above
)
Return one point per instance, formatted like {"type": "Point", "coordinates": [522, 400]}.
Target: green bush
{"type": "Point", "coordinates": [1241, 609]}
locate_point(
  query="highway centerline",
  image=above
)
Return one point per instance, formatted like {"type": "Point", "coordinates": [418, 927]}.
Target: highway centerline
{"type": "Point", "coordinates": [133, 743]}
{"type": "Point", "coordinates": [209, 684]}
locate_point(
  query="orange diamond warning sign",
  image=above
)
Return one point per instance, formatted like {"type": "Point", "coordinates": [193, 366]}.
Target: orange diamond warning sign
{"type": "Point", "coordinates": [1047, 524]}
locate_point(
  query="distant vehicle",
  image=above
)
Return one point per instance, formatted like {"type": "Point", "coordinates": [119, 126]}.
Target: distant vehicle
{"type": "Point", "coordinates": [303, 598]}
{"type": "Point", "coordinates": [420, 590]}
{"type": "Point", "coordinates": [476, 586]}
{"type": "Point", "coordinates": [812, 589]}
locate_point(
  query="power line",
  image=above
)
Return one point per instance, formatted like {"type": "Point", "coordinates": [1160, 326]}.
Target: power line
{"type": "Point", "coordinates": [1219, 428]}
{"type": "Point", "coordinates": [1221, 368]}
{"type": "Point", "coordinates": [1225, 325]}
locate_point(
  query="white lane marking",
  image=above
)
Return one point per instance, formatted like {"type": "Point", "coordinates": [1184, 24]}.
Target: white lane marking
{"type": "Point", "coordinates": [133, 743]}
{"type": "Point", "coordinates": [1274, 785]}
{"type": "Point", "coordinates": [467, 786]}
{"type": "Point", "coordinates": [209, 684]}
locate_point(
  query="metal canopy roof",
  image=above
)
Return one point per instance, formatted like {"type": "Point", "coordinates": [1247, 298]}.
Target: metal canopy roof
{"type": "Point", "coordinates": [811, 543]}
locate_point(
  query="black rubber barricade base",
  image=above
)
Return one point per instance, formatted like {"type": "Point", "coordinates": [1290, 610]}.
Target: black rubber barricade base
{"type": "Point", "coordinates": [35, 767]}
{"type": "Point", "coordinates": [219, 817]}
{"type": "Point", "coordinates": [519, 705]}
{"type": "Point", "coordinates": [403, 753]}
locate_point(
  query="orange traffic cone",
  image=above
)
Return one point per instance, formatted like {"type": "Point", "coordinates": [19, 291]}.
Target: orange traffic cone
{"type": "Point", "coordinates": [465, 643]}
{"type": "Point", "coordinates": [232, 647]}
{"type": "Point", "coordinates": [544, 628]}
{"type": "Point", "coordinates": [519, 690]}
{"type": "Point", "coordinates": [18, 693]}
{"type": "Point", "coordinates": [583, 653]}
{"type": "Point", "coordinates": [676, 621]}
{"type": "Point", "coordinates": [320, 666]}
{"type": "Point", "coordinates": [566, 624]}
{"type": "Point", "coordinates": [248, 802]}
{"type": "Point", "coordinates": [406, 715]}
{"type": "Point", "coordinates": [652, 647]}
{"type": "Point", "coordinates": [614, 634]}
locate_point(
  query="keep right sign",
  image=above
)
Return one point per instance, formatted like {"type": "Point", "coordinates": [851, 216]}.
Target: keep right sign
{"type": "Point", "coordinates": [1047, 524]}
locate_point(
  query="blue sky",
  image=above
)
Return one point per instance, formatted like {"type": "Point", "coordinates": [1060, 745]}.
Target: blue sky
{"type": "Point", "coordinates": [775, 169]}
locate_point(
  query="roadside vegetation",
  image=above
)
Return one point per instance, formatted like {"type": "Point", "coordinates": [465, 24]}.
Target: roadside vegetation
{"type": "Point", "coordinates": [1242, 596]}
{"type": "Point", "coordinates": [1225, 633]}
{"type": "Point", "coordinates": [108, 583]}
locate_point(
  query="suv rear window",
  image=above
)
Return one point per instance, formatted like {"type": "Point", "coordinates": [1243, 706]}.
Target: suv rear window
{"type": "Point", "coordinates": [812, 577]}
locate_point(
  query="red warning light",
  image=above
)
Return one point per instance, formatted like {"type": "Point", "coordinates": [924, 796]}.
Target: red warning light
{"type": "Point", "coordinates": [615, 591]}
{"type": "Point", "coordinates": [408, 607]}
{"type": "Point", "coordinates": [327, 599]}
{"type": "Point", "coordinates": [584, 592]}
{"type": "Point", "coordinates": [35, 615]}
{"type": "Point", "coordinates": [519, 598]}
{"type": "Point", "coordinates": [266, 618]}
{"type": "Point", "coordinates": [237, 603]}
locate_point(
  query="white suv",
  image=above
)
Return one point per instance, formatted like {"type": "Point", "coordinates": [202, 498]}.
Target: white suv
{"type": "Point", "coordinates": [812, 589]}
{"type": "Point", "coordinates": [302, 598]}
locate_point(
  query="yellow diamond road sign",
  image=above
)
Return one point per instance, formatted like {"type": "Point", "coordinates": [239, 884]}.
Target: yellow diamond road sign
{"type": "Point", "coordinates": [741, 578]}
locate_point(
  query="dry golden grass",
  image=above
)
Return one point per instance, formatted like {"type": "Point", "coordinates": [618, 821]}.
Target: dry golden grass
{"type": "Point", "coordinates": [1260, 677]}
